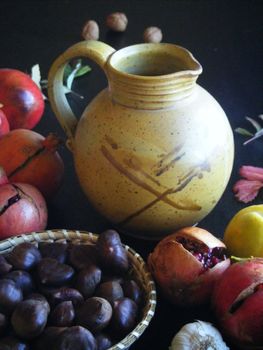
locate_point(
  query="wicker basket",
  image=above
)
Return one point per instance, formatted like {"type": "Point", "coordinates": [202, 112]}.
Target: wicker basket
{"type": "Point", "coordinates": [141, 273]}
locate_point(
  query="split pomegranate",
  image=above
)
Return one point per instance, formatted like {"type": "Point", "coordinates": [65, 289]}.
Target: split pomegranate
{"type": "Point", "coordinates": [22, 100]}
{"type": "Point", "coordinates": [4, 125]}
{"type": "Point", "coordinates": [238, 303]}
{"type": "Point", "coordinates": [186, 265]}
{"type": "Point", "coordinates": [22, 208]}
{"type": "Point", "coordinates": [28, 157]}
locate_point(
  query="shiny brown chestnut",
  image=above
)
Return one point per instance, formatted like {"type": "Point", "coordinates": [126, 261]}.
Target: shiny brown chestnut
{"type": "Point", "coordinates": [112, 255]}
{"type": "Point", "coordinates": [124, 316]}
{"type": "Point", "coordinates": [5, 267]}
{"type": "Point", "coordinates": [63, 314]}
{"type": "Point", "coordinates": [23, 280]}
{"type": "Point", "coordinates": [95, 314]}
{"type": "Point", "coordinates": [48, 338]}
{"type": "Point", "coordinates": [3, 324]}
{"type": "Point", "coordinates": [132, 290]}
{"type": "Point", "coordinates": [58, 295]}
{"type": "Point", "coordinates": [76, 338]}
{"type": "Point", "coordinates": [12, 343]}
{"type": "Point", "coordinates": [10, 296]}
{"type": "Point", "coordinates": [54, 250]}
{"type": "Point", "coordinates": [82, 256]}
{"type": "Point", "coordinates": [24, 256]}
{"type": "Point", "coordinates": [104, 341]}
{"type": "Point", "coordinates": [39, 297]}
{"type": "Point", "coordinates": [29, 319]}
{"type": "Point", "coordinates": [110, 291]}
{"type": "Point", "coordinates": [52, 273]}
{"type": "Point", "coordinates": [87, 280]}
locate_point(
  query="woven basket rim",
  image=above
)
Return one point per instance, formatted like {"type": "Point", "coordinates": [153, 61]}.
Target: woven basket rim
{"type": "Point", "coordinates": [69, 234]}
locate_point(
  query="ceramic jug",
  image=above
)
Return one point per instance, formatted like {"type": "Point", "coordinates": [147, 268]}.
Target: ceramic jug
{"type": "Point", "coordinates": [153, 151]}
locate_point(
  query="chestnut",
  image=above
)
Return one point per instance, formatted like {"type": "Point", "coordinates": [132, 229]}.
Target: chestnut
{"type": "Point", "coordinates": [22, 279]}
{"type": "Point", "coordinates": [53, 273]}
{"type": "Point", "coordinates": [82, 255]}
{"type": "Point", "coordinates": [104, 342]}
{"type": "Point", "coordinates": [132, 290]}
{"type": "Point", "coordinates": [53, 250]}
{"type": "Point", "coordinates": [76, 338]}
{"type": "Point", "coordinates": [10, 296]}
{"type": "Point", "coordinates": [124, 316]}
{"type": "Point", "coordinates": [39, 297]}
{"type": "Point", "coordinates": [29, 318]}
{"type": "Point", "coordinates": [95, 314]}
{"type": "Point", "coordinates": [112, 255]}
{"type": "Point", "coordinates": [48, 338]}
{"type": "Point", "coordinates": [3, 324]}
{"type": "Point", "coordinates": [63, 314]}
{"type": "Point", "coordinates": [58, 295]}
{"type": "Point", "coordinates": [87, 280]}
{"type": "Point", "coordinates": [110, 291]}
{"type": "Point", "coordinates": [24, 256]}
{"type": "Point", "coordinates": [5, 267]}
{"type": "Point", "coordinates": [12, 343]}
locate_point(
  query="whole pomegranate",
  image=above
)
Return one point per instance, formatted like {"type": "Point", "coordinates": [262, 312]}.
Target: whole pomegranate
{"type": "Point", "coordinates": [28, 157]}
{"type": "Point", "coordinates": [4, 125]}
{"type": "Point", "coordinates": [238, 302]}
{"type": "Point", "coordinates": [22, 208]}
{"type": "Point", "coordinates": [22, 100]}
{"type": "Point", "coordinates": [186, 265]}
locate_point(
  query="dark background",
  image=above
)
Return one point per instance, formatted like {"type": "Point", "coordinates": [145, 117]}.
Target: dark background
{"type": "Point", "coordinates": [225, 36]}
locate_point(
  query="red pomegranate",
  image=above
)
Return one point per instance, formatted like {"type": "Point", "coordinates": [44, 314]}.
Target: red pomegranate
{"type": "Point", "coordinates": [186, 265]}
{"type": "Point", "coordinates": [238, 303]}
{"type": "Point", "coordinates": [28, 157]}
{"type": "Point", "coordinates": [22, 100]}
{"type": "Point", "coordinates": [22, 208]}
{"type": "Point", "coordinates": [4, 125]}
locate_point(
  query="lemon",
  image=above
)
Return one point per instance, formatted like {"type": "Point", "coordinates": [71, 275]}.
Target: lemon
{"type": "Point", "coordinates": [244, 233]}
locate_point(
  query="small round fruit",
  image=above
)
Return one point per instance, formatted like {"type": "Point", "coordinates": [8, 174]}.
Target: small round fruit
{"type": "Point", "coordinates": [244, 233]}
{"type": "Point", "coordinates": [22, 210]}
{"type": "Point", "coordinates": [186, 265]}
{"type": "Point", "coordinates": [22, 100]}
{"type": "Point", "coordinates": [4, 125]}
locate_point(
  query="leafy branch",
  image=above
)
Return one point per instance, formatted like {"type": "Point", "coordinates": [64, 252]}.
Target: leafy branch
{"type": "Point", "coordinates": [252, 136]}
{"type": "Point", "coordinates": [72, 71]}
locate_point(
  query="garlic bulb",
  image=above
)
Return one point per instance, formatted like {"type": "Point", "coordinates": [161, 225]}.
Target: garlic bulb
{"type": "Point", "coordinates": [198, 335]}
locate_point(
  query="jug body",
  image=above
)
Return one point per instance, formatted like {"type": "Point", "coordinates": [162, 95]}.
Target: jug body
{"type": "Point", "coordinates": [153, 151]}
{"type": "Point", "coordinates": [151, 172]}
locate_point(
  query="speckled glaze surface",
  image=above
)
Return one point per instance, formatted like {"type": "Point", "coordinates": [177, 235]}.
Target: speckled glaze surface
{"type": "Point", "coordinates": [154, 150]}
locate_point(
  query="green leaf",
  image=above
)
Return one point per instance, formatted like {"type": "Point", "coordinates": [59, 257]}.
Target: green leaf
{"type": "Point", "coordinates": [243, 132]}
{"type": "Point", "coordinates": [82, 70]}
{"type": "Point", "coordinates": [256, 125]}
{"type": "Point", "coordinates": [67, 71]}
{"type": "Point", "coordinates": [35, 74]}
{"type": "Point", "coordinates": [69, 91]}
{"type": "Point", "coordinates": [256, 136]}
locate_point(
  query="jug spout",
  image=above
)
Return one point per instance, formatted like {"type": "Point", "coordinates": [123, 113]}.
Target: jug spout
{"type": "Point", "coordinates": [152, 76]}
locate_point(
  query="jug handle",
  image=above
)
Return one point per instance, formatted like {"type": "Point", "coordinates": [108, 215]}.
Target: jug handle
{"type": "Point", "coordinates": [97, 51]}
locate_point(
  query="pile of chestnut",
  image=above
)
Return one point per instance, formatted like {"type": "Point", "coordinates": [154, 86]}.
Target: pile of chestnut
{"type": "Point", "coordinates": [67, 295]}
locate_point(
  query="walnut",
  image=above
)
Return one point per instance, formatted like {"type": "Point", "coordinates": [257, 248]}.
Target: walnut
{"type": "Point", "coordinates": [90, 30]}
{"type": "Point", "coordinates": [152, 35]}
{"type": "Point", "coordinates": [117, 21]}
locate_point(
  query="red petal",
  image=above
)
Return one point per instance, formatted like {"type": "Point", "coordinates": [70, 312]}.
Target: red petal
{"type": "Point", "coordinates": [251, 173]}
{"type": "Point", "coordinates": [245, 190]}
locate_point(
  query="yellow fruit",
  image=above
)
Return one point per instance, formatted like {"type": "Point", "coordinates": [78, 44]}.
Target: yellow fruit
{"type": "Point", "coordinates": [244, 233]}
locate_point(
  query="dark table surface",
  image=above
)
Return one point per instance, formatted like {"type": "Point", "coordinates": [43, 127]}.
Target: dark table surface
{"type": "Point", "coordinates": [226, 36]}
